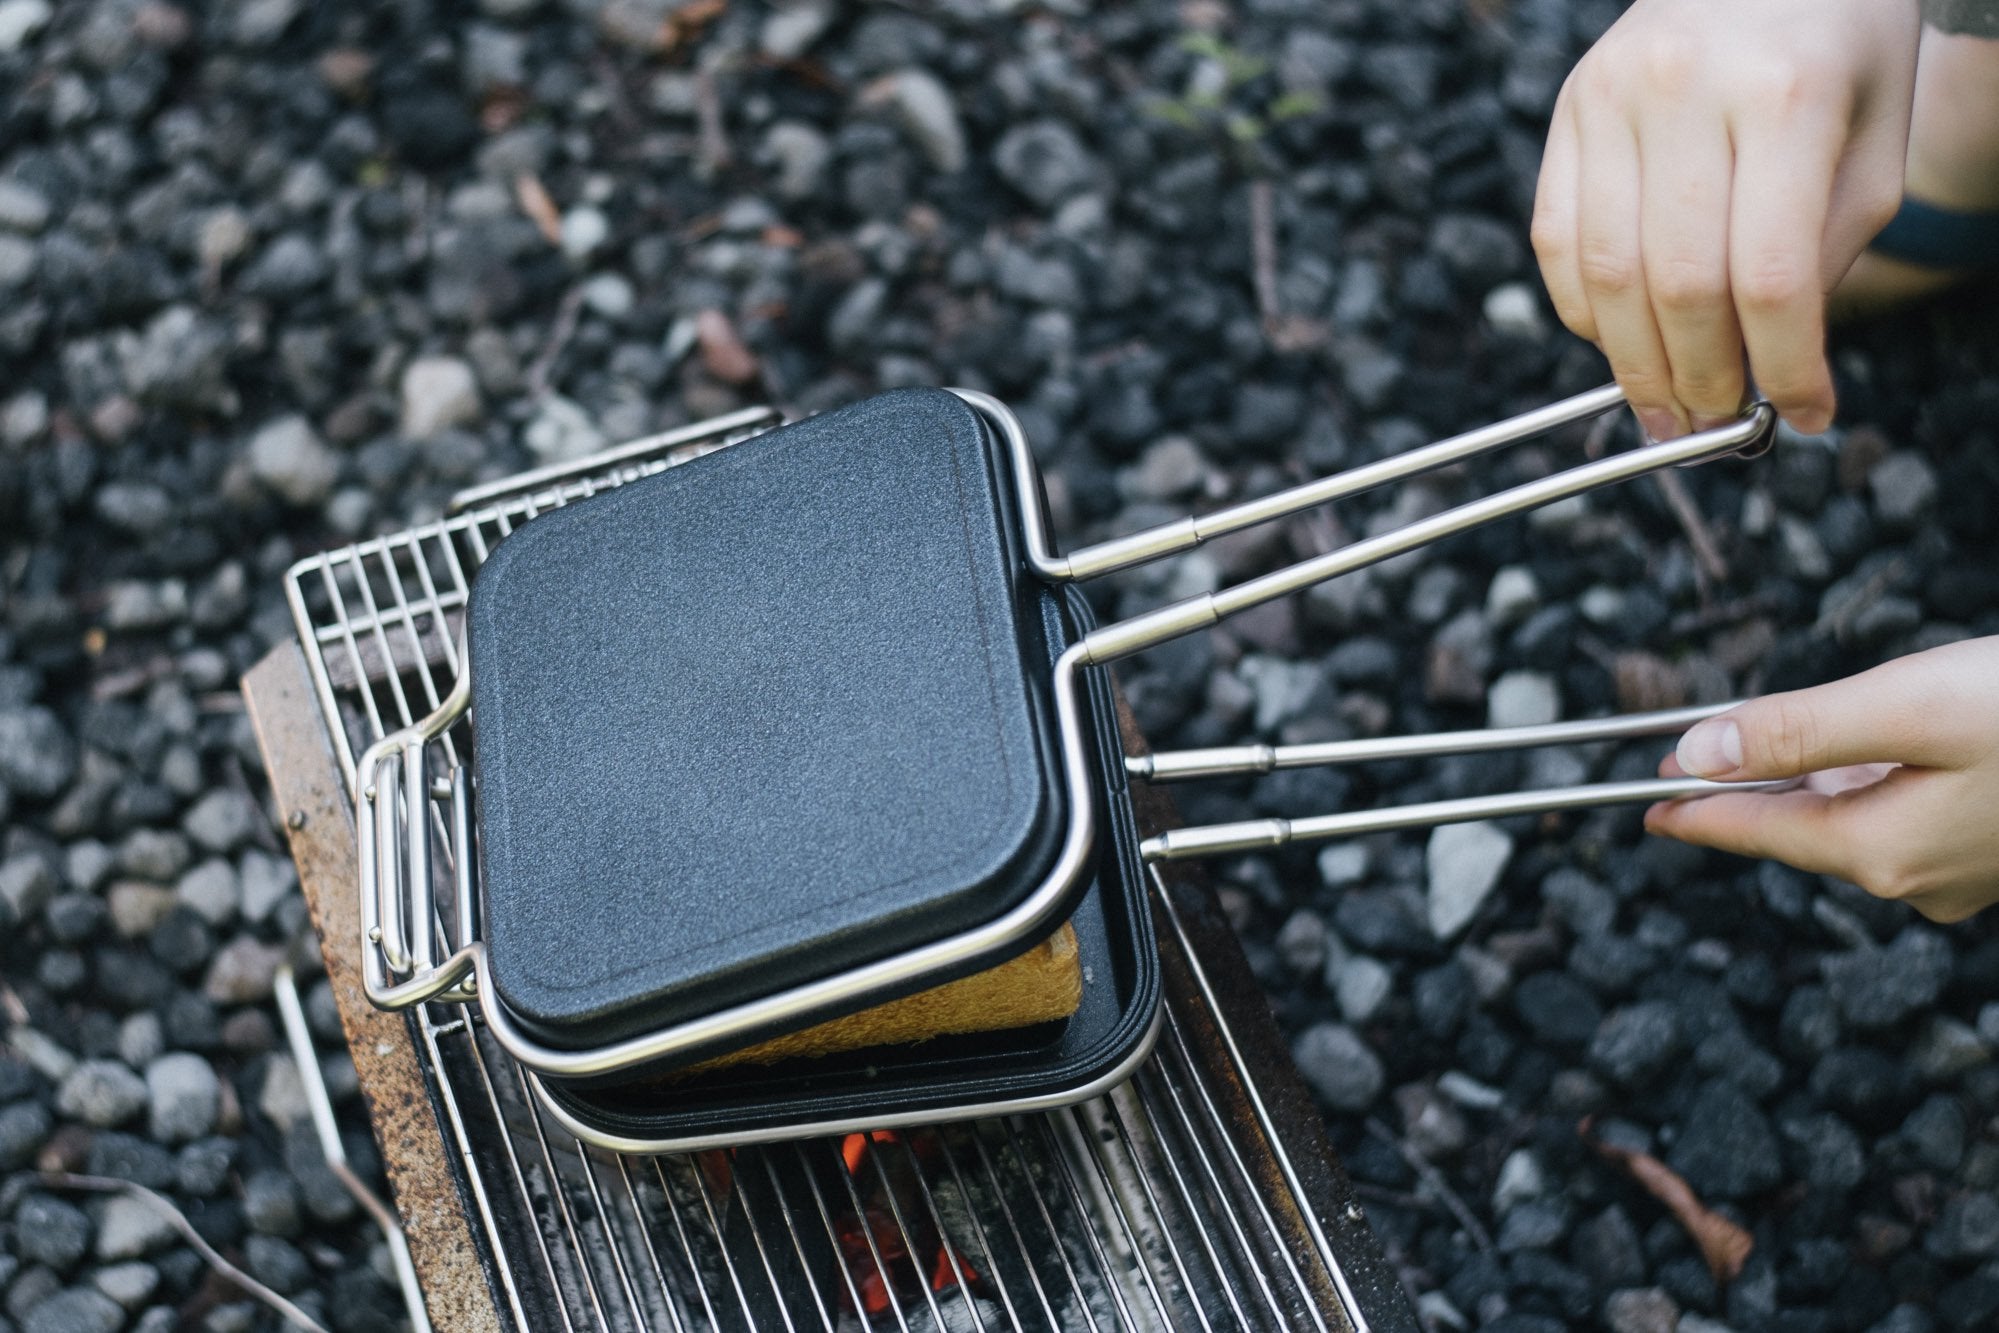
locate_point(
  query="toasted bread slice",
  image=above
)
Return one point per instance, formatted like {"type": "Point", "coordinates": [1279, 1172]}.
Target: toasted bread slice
{"type": "Point", "coordinates": [1039, 986]}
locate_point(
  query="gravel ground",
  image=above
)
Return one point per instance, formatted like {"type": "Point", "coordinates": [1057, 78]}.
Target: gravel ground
{"type": "Point", "coordinates": [275, 275]}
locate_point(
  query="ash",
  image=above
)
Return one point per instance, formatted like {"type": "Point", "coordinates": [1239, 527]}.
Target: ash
{"type": "Point", "coordinates": [274, 276]}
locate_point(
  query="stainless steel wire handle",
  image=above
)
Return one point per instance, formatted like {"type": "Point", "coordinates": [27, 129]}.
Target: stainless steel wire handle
{"type": "Point", "coordinates": [1255, 834]}
{"type": "Point", "coordinates": [1750, 433]}
{"type": "Point", "coordinates": [404, 962]}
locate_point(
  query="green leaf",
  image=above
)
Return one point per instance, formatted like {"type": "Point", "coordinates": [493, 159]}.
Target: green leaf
{"type": "Point", "coordinates": [1245, 129]}
{"type": "Point", "coordinates": [1293, 105]}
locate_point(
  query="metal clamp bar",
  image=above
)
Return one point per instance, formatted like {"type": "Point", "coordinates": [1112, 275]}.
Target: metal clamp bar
{"type": "Point", "coordinates": [1222, 761]}
{"type": "Point", "coordinates": [717, 429]}
{"type": "Point", "coordinates": [1185, 534]}
{"type": "Point", "coordinates": [1261, 834]}
{"type": "Point", "coordinates": [1111, 642]}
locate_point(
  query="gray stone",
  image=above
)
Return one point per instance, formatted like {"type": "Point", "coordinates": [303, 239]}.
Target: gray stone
{"type": "Point", "coordinates": [1641, 1310]}
{"type": "Point", "coordinates": [242, 970]}
{"type": "Point", "coordinates": [928, 114]}
{"type": "Point", "coordinates": [609, 295]}
{"type": "Point", "coordinates": [20, 20]}
{"type": "Point", "coordinates": [798, 154]}
{"type": "Point", "coordinates": [1945, 1048]}
{"type": "Point", "coordinates": [290, 266]}
{"type": "Point", "coordinates": [1338, 1066]}
{"type": "Point", "coordinates": [51, 1231]}
{"type": "Point", "coordinates": [1514, 311]}
{"type": "Point", "coordinates": [1343, 863]}
{"type": "Point", "coordinates": [584, 231]}
{"type": "Point", "coordinates": [1726, 1149]}
{"type": "Point", "coordinates": [270, 1203]}
{"type": "Point", "coordinates": [103, 1093]}
{"type": "Point", "coordinates": [1879, 987]}
{"type": "Point", "coordinates": [155, 854]}
{"type": "Point", "coordinates": [261, 22]}
{"type": "Point", "coordinates": [23, 1127]}
{"type": "Point", "coordinates": [1464, 862]}
{"type": "Point", "coordinates": [288, 456]}
{"type": "Point", "coordinates": [1167, 470]}
{"type": "Point", "coordinates": [1968, 1227]}
{"type": "Point", "coordinates": [129, 1284]}
{"type": "Point", "coordinates": [184, 1096]}
{"type": "Point", "coordinates": [22, 208]}
{"type": "Point", "coordinates": [561, 432]}
{"type": "Point", "coordinates": [78, 1310]}
{"type": "Point", "coordinates": [141, 1040]}
{"type": "Point", "coordinates": [1361, 984]}
{"type": "Point", "coordinates": [1635, 1044]}
{"type": "Point", "coordinates": [26, 883]}
{"type": "Point", "coordinates": [1520, 1179]}
{"type": "Point", "coordinates": [211, 889]}
{"type": "Point", "coordinates": [438, 394]}
{"type": "Point", "coordinates": [37, 757]}
{"type": "Point", "coordinates": [1581, 903]}
{"type": "Point", "coordinates": [1301, 942]}
{"type": "Point", "coordinates": [130, 1226]}
{"type": "Point", "coordinates": [18, 260]}
{"type": "Point", "coordinates": [1045, 161]}
{"type": "Point", "coordinates": [1523, 699]}
{"type": "Point", "coordinates": [1312, 62]}
{"type": "Point", "coordinates": [792, 26]}
{"type": "Point", "coordinates": [223, 820]}
{"type": "Point", "coordinates": [1511, 596]}
{"type": "Point", "coordinates": [282, 1097]}
{"type": "Point", "coordinates": [266, 881]}
{"type": "Point", "coordinates": [1903, 486]}
{"type": "Point", "coordinates": [1535, 1225]}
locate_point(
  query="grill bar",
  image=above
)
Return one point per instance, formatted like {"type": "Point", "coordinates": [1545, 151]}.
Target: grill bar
{"type": "Point", "coordinates": [1136, 1211]}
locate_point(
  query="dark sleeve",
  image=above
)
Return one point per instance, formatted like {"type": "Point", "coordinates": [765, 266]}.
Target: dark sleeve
{"type": "Point", "coordinates": [1975, 18]}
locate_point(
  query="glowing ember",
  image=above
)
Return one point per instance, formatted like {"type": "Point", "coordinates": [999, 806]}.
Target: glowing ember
{"type": "Point", "coordinates": [886, 1189]}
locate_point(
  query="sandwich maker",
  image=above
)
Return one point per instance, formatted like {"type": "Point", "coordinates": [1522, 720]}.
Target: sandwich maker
{"type": "Point", "coordinates": [849, 736]}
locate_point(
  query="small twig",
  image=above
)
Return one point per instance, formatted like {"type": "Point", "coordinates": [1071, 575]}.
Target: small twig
{"type": "Point", "coordinates": [1263, 250]}
{"type": "Point", "coordinates": [708, 116]}
{"type": "Point", "coordinates": [10, 1004]}
{"type": "Point", "coordinates": [1681, 501]}
{"type": "Point", "coordinates": [64, 1180]}
{"type": "Point", "coordinates": [560, 330]}
{"type": "Point", "coordinates": [1599, 435]}
{"type": "Point", "coordinates": [1434, 1180]}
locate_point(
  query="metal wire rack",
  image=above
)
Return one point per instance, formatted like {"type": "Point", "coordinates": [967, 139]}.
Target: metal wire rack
{"type": "Point", "coordinates": [1168, 1203]}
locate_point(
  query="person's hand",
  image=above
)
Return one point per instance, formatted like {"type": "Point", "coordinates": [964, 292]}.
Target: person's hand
{"type": "Point", "coordinates": [1712, 169]}
{"type": "Point", "coordinates": [1902, 796]}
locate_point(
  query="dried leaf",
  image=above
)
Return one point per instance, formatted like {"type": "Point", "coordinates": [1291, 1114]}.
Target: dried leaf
{"type": "Point", "coordinates": [346, 70]}
{"type": "Point", "coordinates": [686, 23]}
{"type": "Point", "coordinates": [1725, 1244]}
{"type": "Point", "coordinates": [723, 353]}
{"type": "Point", "coordinates": [541, 210]}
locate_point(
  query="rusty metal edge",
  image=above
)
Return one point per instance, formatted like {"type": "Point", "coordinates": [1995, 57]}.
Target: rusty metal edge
{"type": "Point", "coordinates": [305, 779]}
{"type": "Point", "coordinates": [1295, 1117]}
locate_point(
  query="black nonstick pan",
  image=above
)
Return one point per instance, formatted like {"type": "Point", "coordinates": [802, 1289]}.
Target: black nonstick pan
{"type": "Point", "coordinates": [792, 730]}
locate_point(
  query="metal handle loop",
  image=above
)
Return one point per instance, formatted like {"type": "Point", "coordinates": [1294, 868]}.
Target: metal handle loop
{"type": "Point", "coordinates": [392, 800]}
{"type": "Point", "coordinates": [1259, 834]}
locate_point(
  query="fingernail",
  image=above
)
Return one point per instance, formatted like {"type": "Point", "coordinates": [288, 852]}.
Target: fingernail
{"type": "Point", "coordinates": [1712, 749]}
{"type": "Point", "coordinates": [1659, 424]}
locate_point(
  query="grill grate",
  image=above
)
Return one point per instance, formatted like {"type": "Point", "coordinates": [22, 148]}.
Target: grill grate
{"type": "Point", "coordinates": [1135, 1211]}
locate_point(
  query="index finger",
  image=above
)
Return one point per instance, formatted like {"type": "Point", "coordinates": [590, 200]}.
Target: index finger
{"type": "Point", "coordinates": [1785, 166]}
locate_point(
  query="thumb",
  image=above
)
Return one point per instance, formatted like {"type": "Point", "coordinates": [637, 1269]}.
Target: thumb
{"type": "Point", "coordinates": [1878, 716]}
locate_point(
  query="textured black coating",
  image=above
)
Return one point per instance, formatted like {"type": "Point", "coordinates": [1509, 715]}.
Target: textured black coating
{"type": "Point", "coordinates": [1120, 996]}
{"type": "Point", "coordinates": [759, 719]}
